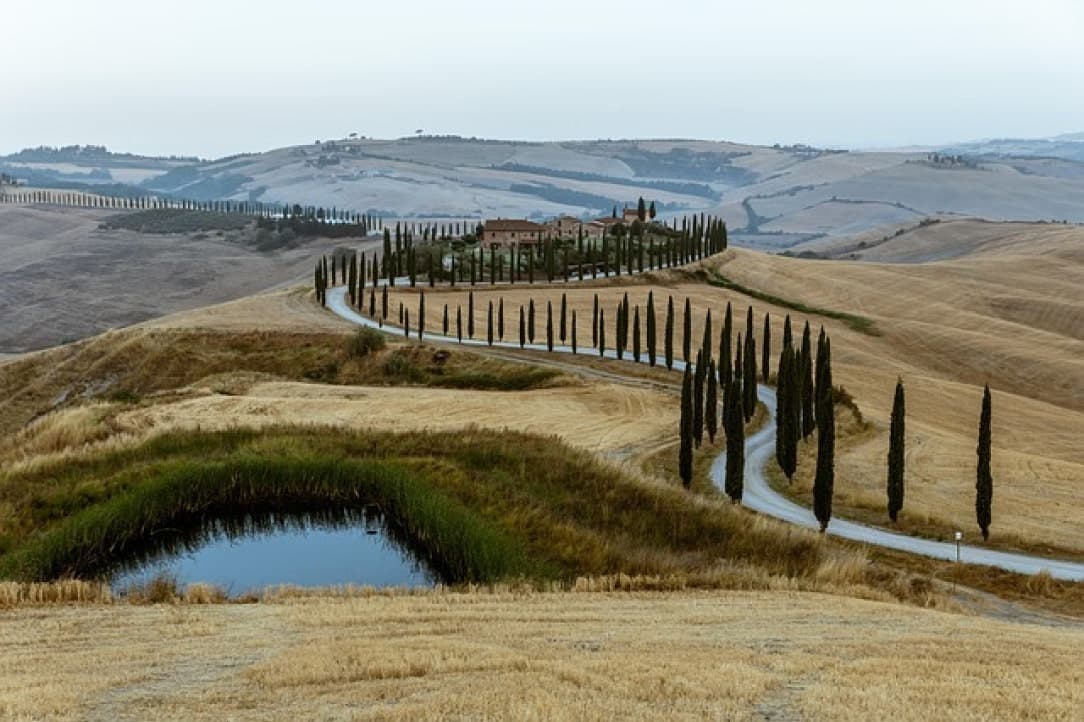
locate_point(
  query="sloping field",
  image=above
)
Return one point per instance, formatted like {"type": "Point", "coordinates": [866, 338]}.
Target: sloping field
{"type": "Point", "coordinates": [62, 278]}
{"type": "Point", "coordinates": [552, 656]}
{"type": "Point", "coordinates": [1008, 316]}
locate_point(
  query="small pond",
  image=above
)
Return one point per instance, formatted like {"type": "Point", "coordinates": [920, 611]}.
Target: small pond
{"type": "Point", "coordinates": [249, 553]}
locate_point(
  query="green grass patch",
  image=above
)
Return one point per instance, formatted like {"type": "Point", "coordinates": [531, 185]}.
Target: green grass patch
{"type": "Point", "coordinates": [479, 505]}
{"type": "Point", "coordinates": [858, 323]}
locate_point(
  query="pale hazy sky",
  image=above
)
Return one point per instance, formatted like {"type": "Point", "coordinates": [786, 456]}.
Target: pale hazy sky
{"type": "Point", "coordinates": [215, 77]}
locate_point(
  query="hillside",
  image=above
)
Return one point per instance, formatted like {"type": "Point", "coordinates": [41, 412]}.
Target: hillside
{"type": "Point", "coordinates": [772, 197]}
{"type": "Point", "coordinates": [63, 277]}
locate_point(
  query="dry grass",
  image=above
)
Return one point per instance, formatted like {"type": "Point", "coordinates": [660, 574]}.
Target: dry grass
{"type": "Point", "coordinates": [65, 591]}
{"type": "Point", "coordinates": [515, 654]}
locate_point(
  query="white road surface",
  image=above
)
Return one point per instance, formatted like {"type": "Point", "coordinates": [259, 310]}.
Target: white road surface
{"type": "Point", "coordinates": [758, 494]}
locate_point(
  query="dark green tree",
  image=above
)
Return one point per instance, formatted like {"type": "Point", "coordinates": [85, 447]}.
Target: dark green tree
{"type": "Point", "coordinates": [705, 345]}
{"type": "Point", "coordinates": [896, 442]}
{"type": "Point", "coordinates": [726, 353]}
{"type": "Point", "coordinates": [650, 323]}
{"type": "Point", "coordinates": [500, 319]}
{"type": "Point", "coordinates": [636, 335]}
{"type": "Point", "coordinates": [445, 319]}
{"type": "Point", "coordinates": [489, 324]}
{"type": "Point", "coordinates": [805, 384]}
{"type": "Point", "coordinates": [685, 448]}
{"type": "Point", "coordinates": [470, 314]}
{"type": "Point", "coordinates": [421, 315]}
{"type": "Point", "coordinates": [668, 334]}
{"type": "Point", "coordinates": [734, 428]}
{"type": "Point", "coordinates": [824, 480]}
{"type": "Point", "coordinates": [698, 400]}
{"type": "Point", "coordinates": [766, 348]}
{"type": "Point", "coordinates": [522, 328]}
{"type": "Point", "coordinates": [984, 481]}
{"type": "Point", "coordinates": [711, 403]}
{"type": "Point", "coordinates": [459, 323]}
{"type": "Point", "coordinates": [687, 338]}
{"type": "Point", "coordinates": [573, 332]}
{"type": "Point", "coordinates": [549, 326]}
{"type": "Point", "coordinates": [594, 322]}
{"type": "Point", "coordinates": [601, 332]}
{"type": "Point", "coordinates": [564, 317]}
{"type": "Point", "coordinates": [749, 382]}
{"type": "Point", "coordinates": [530, 320]}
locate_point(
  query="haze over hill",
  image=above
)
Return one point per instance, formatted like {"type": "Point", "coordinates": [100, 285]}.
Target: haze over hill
{"type": "Point", "coordinates": [772, 197]}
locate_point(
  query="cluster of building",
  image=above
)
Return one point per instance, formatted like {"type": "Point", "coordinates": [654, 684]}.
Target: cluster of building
{"type": "Point", "coordinates": [521, 232]}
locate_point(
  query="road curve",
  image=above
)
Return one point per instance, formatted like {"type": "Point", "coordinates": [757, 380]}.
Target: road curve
{"type": "Point", "coordinates": [758, 494]}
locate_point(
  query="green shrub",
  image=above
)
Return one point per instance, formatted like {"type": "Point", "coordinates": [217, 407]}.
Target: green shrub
{"type": "Point", "coordinates": [364, 342]}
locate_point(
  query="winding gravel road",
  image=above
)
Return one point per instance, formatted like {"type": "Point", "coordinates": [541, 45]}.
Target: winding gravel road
{"type": "Point", "coordinates": [758, 494]}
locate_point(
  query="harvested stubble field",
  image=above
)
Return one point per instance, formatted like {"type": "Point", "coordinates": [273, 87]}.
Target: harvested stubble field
{"type": "Point", "coordinates": [1011, 314]}
{"type": "Point", "coordinates": [521, 656]}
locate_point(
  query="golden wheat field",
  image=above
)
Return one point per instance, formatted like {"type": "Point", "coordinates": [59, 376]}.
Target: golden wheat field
{"type": "Point", "coordinates": [534, 656]}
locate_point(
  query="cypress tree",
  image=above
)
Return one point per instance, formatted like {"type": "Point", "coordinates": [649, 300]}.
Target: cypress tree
{"type": "Point", "coordinates": [984, 481]}
{"type": "Point", "coordinates": [522, 328]}
{"type": "Point", "coordinates": [421, 315]}
{"type": "Point", "coordinates": [636, 335]}
{"type": "Point", "coordinates": [500, 318]}
{"type": "Point", "coordinates": [594, 322]}
{"type": "Point", "coordinates": [705, 346]}
{"type": "Point", "coordinates": [824, 481]}
{"type": "Point", "coordinates": [445, 326]}
{"type": "Point", "coordinates": [788, 339]}
{"type": "Point", "coordinates": [686, 341]}
{"type": "Point", "coordinates": [698, 400]}
{"type": "Point", "coordinates": [489, 324]}
{"type": "Point", "coordinates": [734, 428]}
{"type": "Point", "coordinates": [650, 321]}
{"type": "Point", "coordinates": [668, 335]}
{"type": "Point", "coordinates": [726, 369]}
{"type": "Point", "coordinates": [711, 403]}
{"type": "Point", "coordinates": [530, 320]}
{"type": "Point", "coordinates": [619, 339]}
{"type": "Point", "coordinates": [549, 326]}
{"type": "Point", "coordinates": [895, 454]}
{"type": "Point", "coordinates": [749, 383]}
{"type": "Point", "coordinates": [573, 332]}
{"type": "Point", "coordinates": [805, 383]}
{"type": "Point", "coordinates": [405, 321]}
{"type": "Point", "coordinates": [564, 315]}
{"type": "Point", "coordinates": [786, 419]}
{"type": "Point", "coordinates": [372, 302]}
{"type": "Point", "coordinates": [384, 303]}
{"type": "Point", "coordinates": [766, 347]}
{"type": "Point", "coordinates": [601, 332]}
{"type": "Point", "coordinates": [470, 314]}
{"type": "Point", "coordinates": [685, 448]}
{"type": "Point", "coordinates": [459, 323]}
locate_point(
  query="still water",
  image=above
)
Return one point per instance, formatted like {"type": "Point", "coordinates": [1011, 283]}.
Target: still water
{"type": "Point", "coordinates": [247, 554]}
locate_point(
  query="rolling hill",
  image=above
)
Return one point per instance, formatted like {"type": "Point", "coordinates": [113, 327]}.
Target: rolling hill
{"type": "Point", "coordinates": [772, 197]}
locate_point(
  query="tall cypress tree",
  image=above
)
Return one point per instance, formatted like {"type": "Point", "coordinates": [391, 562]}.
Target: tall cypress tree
{"type": "Point", "coordinates": [421, 315]}
{"type": "Point", "coordinates": [573, 332]}
{"type": "Point", "coordinates": [705, 345]}
{"type": "Point", "coordinates": [594, 321]}
{"type": "Point", "coordinates": [766, 348]}
{"type": "Point", "coordinates": [698, 400]}
{"type": "Point", "coordinates": [668, 336]}
{"type": "Point", "coordinates": [806, 387]}
{"type": "Point", "coordinates": [650, 322]}
{"type": "Point", "coordinates": [522, 328]}
{"type": "Point", "coordinates": [984, 481]}
{"type": "Point", "coordinates": [530, 320]}
{"type": "Point", "coordinates": [564, 314]}
{"type": "Point", "coordinates": [711, 403]}
{"type": "Point", "coordinates": [445, 325]}
{"type": "Point", "coordinates": [459, 323]}
{"type": "Point", "coordinates": [687, 337]}
{"type": "Point", "coordinates": [824, 481]}
{"type": "Point", "coordinates": [500, 318]}
{"type": "Point", "coordinates": [549, 326]}
{"type": "Point", "coordinates": [749, 382]}
{"type": "Point", "coordinates": [636, 335]}
{"type": "Point", "coordinates": [601, 332]}
{"type": "Point", "coordinates": [489, 323]}
{"type": "Point", "coordinates": [895, 454]}
{"type": "Point", "coordinates": [470, 314]}
{"type": "Point", "coordinates": [619, 338]}
{"type": "Point", "coordinates": [726, 368]}
{"type": "Point", "coordinates": [685, 448]}
{"type": "Point", "coordinates": [734, 427]}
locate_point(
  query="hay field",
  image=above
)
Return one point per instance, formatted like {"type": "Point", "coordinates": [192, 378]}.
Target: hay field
{"type": "Point", "coordinates": [1011, 315]}
{"type": "Point", "coordinates": [610, 419]}
{"type": "Point", "coordinates": [554, 656]}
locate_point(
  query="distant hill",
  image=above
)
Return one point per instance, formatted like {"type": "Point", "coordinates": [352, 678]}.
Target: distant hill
{"type": "Point", "coordinates": [772, 197]}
